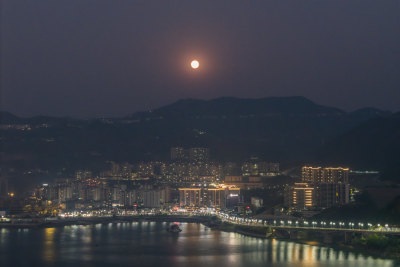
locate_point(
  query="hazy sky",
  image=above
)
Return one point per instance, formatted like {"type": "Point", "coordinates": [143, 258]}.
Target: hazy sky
{"type": "Point", "coordinates": [91, 58]}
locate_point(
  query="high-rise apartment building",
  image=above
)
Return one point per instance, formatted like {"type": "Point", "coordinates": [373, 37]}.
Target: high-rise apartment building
{"type": "Point", "coordinates": [300, 196]}
{"type": "Point", "coordinates": [325, 175]}
{"type": "Point", "coordinates": [178, 153]}
{"type": "Point", "coordinates": [190, 197]}
{"type": "Point", "coordinates": [156, 198]}
{"type": "Point", "coordinates": [321, 188]}
{"type": "Point", "coordinates": [330, 194]}
{"type": "Point", "coordinates": [195, 154]}
{"type": "Point", "coordinates": [83, 174]}
{"type": "Point", "coordinates": [255, 167]}
{"type": "Point", "coordinates": [199, 154]}
{"type": "Point", "coordinates": [215, 197]}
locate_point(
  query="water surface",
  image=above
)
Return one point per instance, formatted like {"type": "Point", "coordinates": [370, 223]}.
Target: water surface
{"type": "Point", "coordinates": [149, 244]}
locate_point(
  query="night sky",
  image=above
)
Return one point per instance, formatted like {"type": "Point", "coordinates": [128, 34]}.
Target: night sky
{"type": "Point", "coordinates": [114, 57]}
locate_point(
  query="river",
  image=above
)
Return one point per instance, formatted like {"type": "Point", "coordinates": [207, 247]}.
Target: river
{"type": "Point", "coordinates": [149, 244]}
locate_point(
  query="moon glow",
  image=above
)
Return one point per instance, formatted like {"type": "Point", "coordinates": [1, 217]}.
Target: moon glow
{"type": "Point", "coordinates": [195, 64]}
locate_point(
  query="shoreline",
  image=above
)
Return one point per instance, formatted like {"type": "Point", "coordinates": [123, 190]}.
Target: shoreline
{"type": "Point", "coordinates": [228, 227]}
{"type": "Point", "coordinates": [97, 220]}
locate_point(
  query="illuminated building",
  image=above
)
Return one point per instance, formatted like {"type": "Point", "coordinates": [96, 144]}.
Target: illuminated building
{"type": "Point", "coordinates": [178, 153]}
{"type": "Point", "coordinates": [330, 183]}
{"type": "Point", "coordinates": [255, 167]}
{"type": "Point", "coordinates": [156, 198]}
{"type": "Point", "coordinates": [219, 197]}
{"type": "Point", "coordinates": [233, 179]}
{"type": "Point", "coordinates": [145, 169]}
{"type": "Point", "coordinates": [222, 197]}
{"type": "Point", "coordinates": [199, 154]}
{"type": "Point", "coordinates": [190, 197]}
{"type": "Point", "coordinates": [122, 171]}
{"type": "Point", "coordinates": [216, 197]}
{"type": "Point", "coordinates": [83, 175]}
{"type": "Point", "coordinates": [233, 197]}
{"type": "Point", "coordinates": [257, 202]}
{"type": "Point", "coordinates": [244, 182]}
{"type": "Point", "coordinates": [195, 154]}
{"type": "Point", "coordinates": [191, 172]}
{"type": "Point", "coordinates": [300, 196]}
{"type": "Point", "coordinates": [325, 175]}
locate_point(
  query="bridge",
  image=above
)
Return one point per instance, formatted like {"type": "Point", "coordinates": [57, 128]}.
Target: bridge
{"type": "Point", "coordinates": [326, 231]}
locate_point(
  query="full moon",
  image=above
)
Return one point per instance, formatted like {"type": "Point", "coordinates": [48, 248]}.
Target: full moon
{"type": "Point", "coordinates": [194, 64]}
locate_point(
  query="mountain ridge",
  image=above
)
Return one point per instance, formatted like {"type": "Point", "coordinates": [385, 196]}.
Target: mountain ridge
{"type": "Point", "coordinates": [233, 106]}
{"type": "Point", "coordinates": [226, 106]}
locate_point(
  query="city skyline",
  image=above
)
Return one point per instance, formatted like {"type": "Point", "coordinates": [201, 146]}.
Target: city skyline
{"type": "Point", "coordinates": [199, 133]}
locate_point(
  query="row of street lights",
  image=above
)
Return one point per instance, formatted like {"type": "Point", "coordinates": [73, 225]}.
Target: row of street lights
{"type": "Point", "coordinates": [307, 224]}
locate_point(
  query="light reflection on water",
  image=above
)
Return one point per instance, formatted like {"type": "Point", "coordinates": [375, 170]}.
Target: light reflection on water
{"type": "Point", "coordinates": [49, 253]}
{"type": "Point", "coordinates": [149, 244]}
